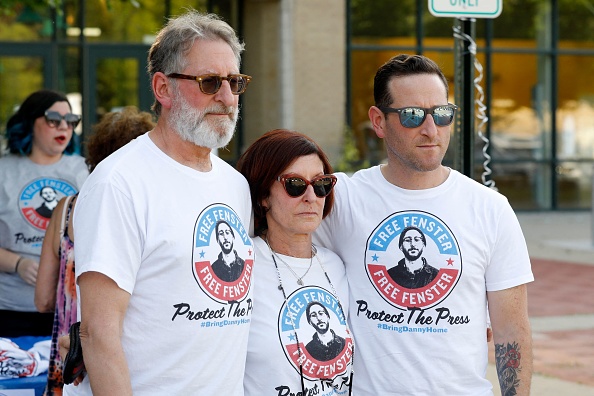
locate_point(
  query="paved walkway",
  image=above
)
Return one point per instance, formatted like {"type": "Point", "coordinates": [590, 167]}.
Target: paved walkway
{"type": "Point", "coordinates": [560, 303]}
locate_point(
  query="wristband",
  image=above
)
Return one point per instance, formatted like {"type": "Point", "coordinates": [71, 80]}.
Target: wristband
{"type": "Point", "coordinates": [16, 267]}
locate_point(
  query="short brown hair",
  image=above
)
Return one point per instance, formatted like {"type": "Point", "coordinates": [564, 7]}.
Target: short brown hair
{"type": "Point", "coordinates": [401, 66]}
{"type": "Point", "coordinates": [267, 158]}
{"type": "Point", "coordinates": [114, 131]}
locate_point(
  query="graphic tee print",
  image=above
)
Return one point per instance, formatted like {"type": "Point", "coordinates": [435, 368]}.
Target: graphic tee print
{"type": "Point", "coordinates": [38, 199]}
{"type": "Point", "coordinates": [309, 315]}
{"type": "Point", "coordinates": [223, 254]}
{"type": "Point", "coordinates": [412, 259]}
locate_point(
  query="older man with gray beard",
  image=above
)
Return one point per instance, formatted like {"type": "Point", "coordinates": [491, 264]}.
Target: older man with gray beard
{"type": "Point", "coordinates": [152, 315]}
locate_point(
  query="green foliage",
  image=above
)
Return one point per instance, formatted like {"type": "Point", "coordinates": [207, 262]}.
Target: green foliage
{"type": "Point", "coordinates": [12, 7]}
{"type": "Point", "coordinates": [9, 7]}
{"type": "Point", "coordinates": [391, 18]}
{"type": "Point", "coordinates": [575, 20]}
{"type": "Point", "coordinates": [351, 158]}
{"type": "Point", "coordinates": [381, 18]}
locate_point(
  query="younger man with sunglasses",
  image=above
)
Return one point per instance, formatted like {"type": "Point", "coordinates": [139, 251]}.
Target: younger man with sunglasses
{"type": "Point", "coordinates": [154, 319]}
{"type": "Point", "coordinates": [429, 340]}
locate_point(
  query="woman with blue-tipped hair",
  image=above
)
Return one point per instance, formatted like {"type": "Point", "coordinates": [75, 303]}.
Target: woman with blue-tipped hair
{"type": "Point", "coordinates": [38, 171]}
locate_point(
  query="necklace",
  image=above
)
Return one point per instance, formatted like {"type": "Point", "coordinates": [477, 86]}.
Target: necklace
{"type": "Point", "coordinates": [300, 282]}
{"type": "Point", "coordinates": [299, 278]}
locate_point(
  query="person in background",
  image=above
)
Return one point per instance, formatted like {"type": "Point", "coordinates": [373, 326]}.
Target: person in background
{"type": "Point", "coordinates": [429, 340]}
{"type": "Point", "coordinates": [39, 168]}
{"type": "Point", "coordinates": [55, 290]}
{"type": "Point", "coordinates": [154, 318]}
{"type": "Point", "coordinates": [291, 188]}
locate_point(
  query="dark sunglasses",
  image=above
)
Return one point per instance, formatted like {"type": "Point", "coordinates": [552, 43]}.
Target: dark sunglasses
{"type": "Point", "coordinates": [296, 185]}
{"type": "Point", "coordinates": [211, 83]}
{"type": "Point", "coordinates": [413, 117]}
{"type": "Point", "coordinates": [53, 119]}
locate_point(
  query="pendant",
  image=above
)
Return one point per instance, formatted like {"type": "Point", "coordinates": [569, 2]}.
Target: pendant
{"type": "Point", "coordinates": [300, 282]}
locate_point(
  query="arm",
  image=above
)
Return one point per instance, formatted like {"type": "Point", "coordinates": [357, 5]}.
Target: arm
{"type": "Point", "coordinates": [508, 310]}
{"type": "Point", "coordinates": [103, 307]}
{"type": "Point", "coordinates": [27, 267]}
{"type": "Point", "coordinates": [49, 262]}
{"type": "Point", "coordinates": [8, 261]}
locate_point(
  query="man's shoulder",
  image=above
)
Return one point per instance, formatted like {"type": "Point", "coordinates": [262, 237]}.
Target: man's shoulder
{"type": "Point", "coordinates": [337, 337]}
{"type": "Point", "coordinates": [227, 170]}
{"type": "Point", "coordinates": [238, 259]}
{"type": "Point", "coordinates": [360, 176]}
{"type": "Point", "coordinates": [130, 154]}
{"type": "Point", "coordinates": [315, 340]}
{"type": "Point", "coordinates": [468, 185]}
{"type": "Point", "coordinates": [429, 268]}
{"type": "Point", "coordinates": [397, 269]}
{"type": "Point", "coordinates": [357, 186]}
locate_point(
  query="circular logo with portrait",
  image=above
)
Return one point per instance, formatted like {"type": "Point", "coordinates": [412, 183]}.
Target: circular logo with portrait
{"type": "Point", "coordinates": [38, 199]}
{"type": "Point", "coordinates": [314, 334]}
{"type": "Point", "coordinates": [413, 260]}
{"type": "Point", "coordinates": [223, 254]}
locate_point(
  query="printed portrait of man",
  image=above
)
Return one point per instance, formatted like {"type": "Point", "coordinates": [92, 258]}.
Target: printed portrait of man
{"type": "Point", "coordinates": [325, 344]}
{"type": "Point", "coordinates": [412, 271]}
{"type": "Point", "coordinates": [228, 266]}
{"type": "Point", "coordinates": [50, 200]}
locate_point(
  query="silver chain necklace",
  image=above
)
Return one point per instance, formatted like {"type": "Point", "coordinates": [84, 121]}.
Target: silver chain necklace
{"type": "Point", "coordinates": [300, 282]}
{"type": "Point", "coordinates": [299, 278]}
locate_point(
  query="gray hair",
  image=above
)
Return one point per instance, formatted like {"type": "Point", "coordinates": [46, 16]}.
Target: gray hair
{"type": "Point", "coordinates": [176, 38]}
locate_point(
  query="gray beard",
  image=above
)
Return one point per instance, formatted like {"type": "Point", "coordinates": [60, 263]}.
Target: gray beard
{"type": "Point", "coordinates": [190, 124]}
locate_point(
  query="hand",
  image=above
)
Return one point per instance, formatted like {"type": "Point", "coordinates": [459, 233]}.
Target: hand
{"type": "Point", "coordinates": [80, 378]}
{"type": "Point", "coordinates": [27, 270]}
{"type": "Point", "coordinates": [64, 346]}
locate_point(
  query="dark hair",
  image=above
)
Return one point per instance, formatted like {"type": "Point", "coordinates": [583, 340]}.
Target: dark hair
{"type": "Point", "coordinates": [176, 38]}
{"type": "Point", "coordinates": [218, 224]}
{"type": "Point", "coordinates": [44, 188]}
{"type": "Point", "coordinates": [399, 66]}
{"type": "Point", "coordinates": [19, 128]}
{"type": "Point", "coordinates": [267, 158]}
{"type": "Point", "coordinates": [312, 303]}
{"type": "Point", "coordinates": [115, 130]}
{"type": "Point", "coordinates": [411, 228]}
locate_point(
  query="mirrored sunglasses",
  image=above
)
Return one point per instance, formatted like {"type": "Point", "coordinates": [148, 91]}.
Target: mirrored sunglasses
{"type": "Point", "coordinates": [296, 185]}
{"type": "Point", "coordinates": [413, 117]}
{"type": "Point", "coordinates": [211, 83]}
{"type": "Point", "coordinates": [53, 119]}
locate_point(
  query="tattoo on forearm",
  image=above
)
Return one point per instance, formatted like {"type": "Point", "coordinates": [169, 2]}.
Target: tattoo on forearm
{"type": "Point", "coordinates": [508, 359]}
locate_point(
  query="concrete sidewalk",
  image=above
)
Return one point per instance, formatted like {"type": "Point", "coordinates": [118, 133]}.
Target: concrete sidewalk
{"type": "Point", "coordinates": [560, 236]}
{"type": "Point", "coordinates": [560, 303]}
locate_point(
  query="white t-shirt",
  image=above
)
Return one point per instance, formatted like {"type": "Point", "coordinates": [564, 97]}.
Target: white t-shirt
{"type": "Point", "coordinates": [148, 223]}
{"type": "Point", "coordinates": [429, 339]}
{"type": "Point", "coordinates": [272, 366]}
